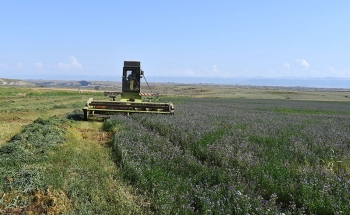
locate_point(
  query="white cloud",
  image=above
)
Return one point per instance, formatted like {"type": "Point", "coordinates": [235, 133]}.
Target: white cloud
{"type": "Point", "coordinates": [19, 65]}
{"type": "Point", "coordinates": [178, 73]}
{"type": "Point", "coordinates": [331, 69]}
{"type": "Point", "coordinates": [189, 72]}
{"type": "Point", "coordinates": [303, 62]}
{"type": "Point", "coordinates": [205, 72]}
{"type": "Point", "coordinates": [287, 66]}
{"type": "Point", "coordinates": [73, 65]}
{"type": "Point", "coordinates": [343, 73]}
{"type": "Point", "coordinates": [4, 65]}
{"type": "Point", "coordinates": [215, 71]}
{"type": "Point", "coordinates": [38, 65]}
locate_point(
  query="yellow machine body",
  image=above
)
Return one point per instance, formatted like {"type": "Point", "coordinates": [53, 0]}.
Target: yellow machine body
{"type": "Point", "coordinates": [130, 98]}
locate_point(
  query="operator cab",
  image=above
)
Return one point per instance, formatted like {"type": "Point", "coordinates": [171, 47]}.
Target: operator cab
{"type": "Point", "coordinates": [132, 74]}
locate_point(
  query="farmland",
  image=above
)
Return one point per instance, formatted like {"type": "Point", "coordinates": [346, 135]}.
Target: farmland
{"type": "Point", "coordinates": [230, 154]}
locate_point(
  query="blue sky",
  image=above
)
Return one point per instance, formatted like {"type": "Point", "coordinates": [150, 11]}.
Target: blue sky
{"type": "Point", "coordinates": [250, 38]}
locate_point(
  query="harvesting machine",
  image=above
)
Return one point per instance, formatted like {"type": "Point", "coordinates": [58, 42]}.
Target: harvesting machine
{"type": "Point", "coordinates": [131, 100]}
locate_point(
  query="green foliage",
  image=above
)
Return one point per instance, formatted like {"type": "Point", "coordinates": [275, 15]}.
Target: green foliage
{"type": "Point", "coordinates": [52, 93]}
{"type": "Point", "coordinates": [111, 124]}
{"type": "Point", "coordinates": [26, 178]}
{"type": "Point", "coordinates": [40, 175]}
{"type": "Point", "coordinates": [41, 135]}
{"type": "Point", "coordinates": [282, 92]}
{"type": "Point", "coordinates": [217, 156]}
{"type": "Point", "coordinates": [214, 156]}
{"type": "Point", "coordinates": [174, 179]}
{"type": "Point", "coordinates": [10, 91]}
{"type": "Point", "coordinates": [26, 148]}
{"type": "Point", "coordinates": [287, 110]}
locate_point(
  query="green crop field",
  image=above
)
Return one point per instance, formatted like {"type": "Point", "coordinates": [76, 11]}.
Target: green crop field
{"type": "Point", "coordinates": [224, 151]}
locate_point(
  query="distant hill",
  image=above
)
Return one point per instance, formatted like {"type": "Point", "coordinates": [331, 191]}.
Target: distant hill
{"type": "Point", "coordinates": [76, 84]}
{"type": "Point", "coordinates": [335, 83]}
{"type": "Point", "coordinates": [59, 83]}
{"type": "Point", "coordinates": [327, 82]}
{"type": "Point", "coordinates": [14, 82]}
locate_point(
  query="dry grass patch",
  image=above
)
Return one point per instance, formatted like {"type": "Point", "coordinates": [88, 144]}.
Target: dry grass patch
{"type": "Point", "coordinates": [37, 202]}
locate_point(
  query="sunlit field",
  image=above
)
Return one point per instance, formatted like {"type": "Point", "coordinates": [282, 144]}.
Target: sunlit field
{"type": "Point", "coordinates": [223, 155]}
{"type": "Point", "coordinates": [237, 156]}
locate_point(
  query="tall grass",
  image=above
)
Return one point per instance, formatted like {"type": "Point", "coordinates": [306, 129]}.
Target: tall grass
{"type": "Point", "coordinates": [53, 163]}
{"type": "Point", "coordinates": [240, 156]}
{"type": "Point", "coordinates": [59, 166]}
{"type": "Point", "coordinates": [21, 166]}
{"type": "Point", "coordinates": [214, 156]}
{"type": "Point", "coordinates": [21, 106]}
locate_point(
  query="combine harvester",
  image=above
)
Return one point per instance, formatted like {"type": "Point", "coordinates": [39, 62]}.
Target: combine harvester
{"type": "Point", "coordinates": [132, 100]}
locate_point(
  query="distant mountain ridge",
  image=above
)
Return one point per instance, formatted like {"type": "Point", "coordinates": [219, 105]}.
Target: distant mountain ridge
{"type": "Point", "coordinates": [328, 82]}
{"type": "Point", "coordinates": [72, 83]}
{"type": "Point", "coordinates": [106, 81]}
{"type": "Point", "coordinates": [14, 82]}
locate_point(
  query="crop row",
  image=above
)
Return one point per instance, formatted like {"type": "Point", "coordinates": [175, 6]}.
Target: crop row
{"type": "Point", "coordinates": [21, 159]}
{"type": "Point", "coordinates": [225, 151]}
{"type": "Point", "coordinates": [175, 180]}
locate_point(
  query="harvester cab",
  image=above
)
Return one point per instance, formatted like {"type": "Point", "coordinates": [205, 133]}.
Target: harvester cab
{"type": "Point", "coordinates": [132, 75]}
{"type": "Point", "coordinates": [130, 100]}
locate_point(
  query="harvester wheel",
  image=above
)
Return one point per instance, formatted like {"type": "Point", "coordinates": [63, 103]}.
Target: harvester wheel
{"type": "Point", "coordinates": [86, 114]}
